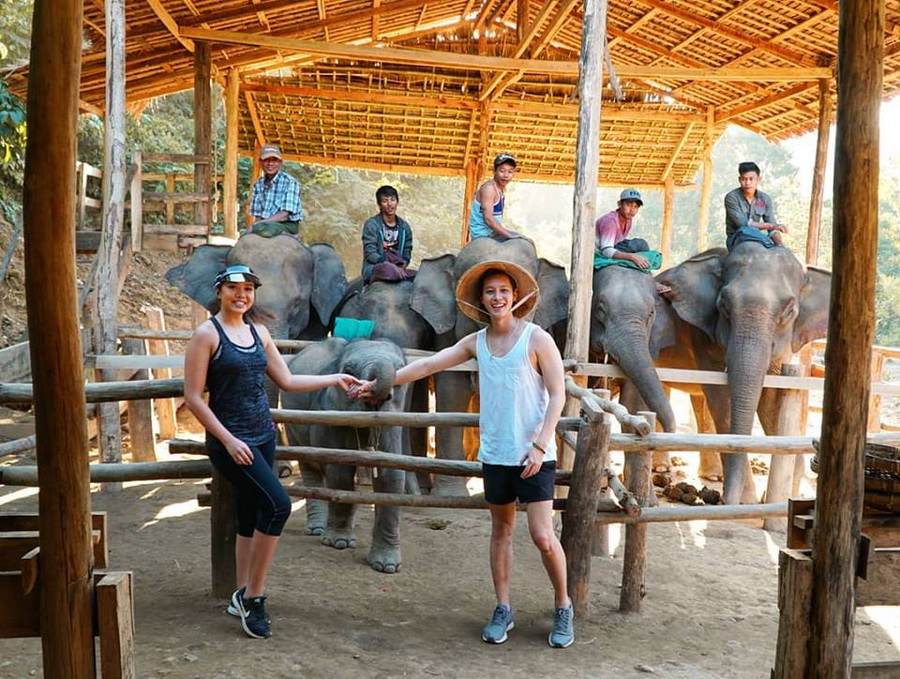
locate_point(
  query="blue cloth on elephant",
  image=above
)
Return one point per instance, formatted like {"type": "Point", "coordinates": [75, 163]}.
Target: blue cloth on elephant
{"type": "Point", "coordinates": [653, 256]}
{"type": "Point", "coordinates": [351, 328]}
{"type": "Point", "coordinates": [749, 234]}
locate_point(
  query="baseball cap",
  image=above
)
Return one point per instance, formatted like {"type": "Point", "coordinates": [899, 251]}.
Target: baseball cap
{"type": "Point", "coordinates": [502, 158]}
{"type": "Point", "coordinates": [631, 194]}
{"type": "Point", "coordinates": [269, 151]}
{"type": "Point", "coordinates": [237, 273]}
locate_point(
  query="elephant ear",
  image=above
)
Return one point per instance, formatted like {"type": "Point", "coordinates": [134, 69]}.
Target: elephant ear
{"type": "Point", "coordinates": [663, 332]}
{"type": "Point", "coordinates": [434, 293]}
{"type": "Point", "coordinates": [815, 298]}
{"type": "Point", "coordinates": [195, 277]}
{"type": "Point", "coordinates": [329, 280]}
{"type": "Point", "coordinates": [553, 305]}
{"type": "Point", "coordinates": [695, 287]}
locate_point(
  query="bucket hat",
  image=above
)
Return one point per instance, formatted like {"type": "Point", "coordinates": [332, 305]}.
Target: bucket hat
{"type": "Point", "coordinates": [468, 290]}
{"type": "Point", "coordinates": [237, 273]}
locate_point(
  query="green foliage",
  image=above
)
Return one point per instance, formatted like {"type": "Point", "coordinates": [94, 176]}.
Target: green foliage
{"type": "Point", "coordinates": [12, 132]}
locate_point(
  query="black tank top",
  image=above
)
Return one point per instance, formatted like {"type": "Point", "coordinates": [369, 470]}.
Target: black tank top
{"type": "Point", "coordinates": [236, 380]}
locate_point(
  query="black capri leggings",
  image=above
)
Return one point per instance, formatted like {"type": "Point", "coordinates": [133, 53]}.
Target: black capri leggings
{"type": "Point", "coordinates": [262, 503]}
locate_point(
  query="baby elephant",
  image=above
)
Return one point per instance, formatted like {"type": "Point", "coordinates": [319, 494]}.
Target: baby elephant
{"type": "Point", "coordinates": [376, 360]}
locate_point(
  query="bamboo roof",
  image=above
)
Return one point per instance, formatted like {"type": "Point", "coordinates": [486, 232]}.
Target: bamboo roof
{"type": "Point", "coordinates": [432, 87]}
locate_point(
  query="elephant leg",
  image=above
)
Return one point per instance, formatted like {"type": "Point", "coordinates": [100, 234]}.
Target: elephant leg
{"type": "Point", "coordinates": [316, 510]}
{"type": "Point", "coordinates": [384, 554]}
{"type": "Point", "coordinates": [710, 462]}
{"type": "Point", "coordinates": [339, 529]}
{"type": "Point", "coordinates": [719, 406]}
{"type": "Point", "coordinates": [631, 399]}
{"type": "Point", "coordinates": [452, 390]}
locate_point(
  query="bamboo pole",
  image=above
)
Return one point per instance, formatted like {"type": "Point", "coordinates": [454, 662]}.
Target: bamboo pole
{"type": "Point", "coordinates": [584, 496]}
{"type": "Point", "coordinates": [634, 561]}
{"type": "Point", "coordinates": [665, 239]}
{"type": "Point", "coordinates": [232, 113]}
{"type": "Point", "coordinates": [706, 187]}
{"type": "Point", "coordinates": [49, 215]}
{"type": "Point", "coordinates": [781, 467]}
{"type": "Point", "coordinates": [817, 198]}
{"type": "Point", "coordinates": [851, 328]}
{"type": "Point", "coordinates": [18, 446]}
{"type": "Point", "coordinates": [202, 129]}
{"type": "Point", "coordinates": [109, 435]}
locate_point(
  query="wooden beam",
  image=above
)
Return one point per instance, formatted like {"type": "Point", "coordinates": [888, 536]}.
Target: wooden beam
{"type": "Point", "coordinates": [782, 96]}
{"type": "Point", "coordinates": [170, 24]}
{"type": "Point", "coordinates": [851, 329]}
{"type": "Point", "coordinates": [468, 62]}
{"type": "Point", "coordinates": [232, 112]}
{"type": "Point", "coordinates": [706, 190]}
{"type": "Point", "coordinates": [677, 152]}
{"type": "Point", "coordinates": [254, 118]}
{"type": "Point", "coordinates": [817, 198]}
{"type": "Point", "coordinates": [428, 170]}
{"type": "Point", "coordinates": [555, 26]}
{"type": "Point", "coordinates": [55, 340]}
{"type": "Point", "coordinates": [665, 239]}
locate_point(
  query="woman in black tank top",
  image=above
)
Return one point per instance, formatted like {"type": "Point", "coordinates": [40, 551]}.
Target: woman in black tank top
{"type": "Point", "coordinates": [231, 354]}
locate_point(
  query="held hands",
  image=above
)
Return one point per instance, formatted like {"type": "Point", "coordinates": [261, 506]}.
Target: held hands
{"type": "Point", "coordinates": [347, 382]}
{"type": "Point", "coordinates": [363, 389]}
{"type": "Point", "coordinates": [532, 461]}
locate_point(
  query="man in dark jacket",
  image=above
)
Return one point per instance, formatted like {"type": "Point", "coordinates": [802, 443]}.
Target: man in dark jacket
{"type": "Point", "coordinates": [387, 241]}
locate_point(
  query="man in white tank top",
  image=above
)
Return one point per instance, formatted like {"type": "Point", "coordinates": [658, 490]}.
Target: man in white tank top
{"type": "Point", "coordinates": [522, 396]}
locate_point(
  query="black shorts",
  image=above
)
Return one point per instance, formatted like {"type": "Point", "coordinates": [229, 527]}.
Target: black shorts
{"type": "Point", "coordinates": [504, 484]}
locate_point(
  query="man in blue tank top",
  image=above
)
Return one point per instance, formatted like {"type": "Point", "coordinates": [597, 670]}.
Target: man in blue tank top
{"type": "Point", "coordinates": [520, 375]}
{"type": "Point", "coordinates": [486, 211]}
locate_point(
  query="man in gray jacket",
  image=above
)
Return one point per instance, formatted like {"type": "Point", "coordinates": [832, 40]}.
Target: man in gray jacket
{"type": "Point", "coordinates": [387, 241]}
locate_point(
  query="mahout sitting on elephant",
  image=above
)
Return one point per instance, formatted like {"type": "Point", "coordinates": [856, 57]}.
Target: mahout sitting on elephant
{"type": "Point", "coordinates": [376, 360]}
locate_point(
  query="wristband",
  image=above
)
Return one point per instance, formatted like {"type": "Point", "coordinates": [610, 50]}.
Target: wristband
{"type": "Point", "coordinates": [537, 445]}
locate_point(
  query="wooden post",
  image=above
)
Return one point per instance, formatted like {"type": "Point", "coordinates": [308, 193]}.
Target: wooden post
{"type": "Point", "coordinates": [170, 200]}
{"type": "Point", "coordinates": [873, 422]}
{"type": "Point", "coordinates": [140, 411]}
{"type": "Point", "coordinates": [826, 113]}
{"type": "Point", "coordinates": [584, 496]}
{"type": "Point", "coordinates": [165, 407]}
{"type": "Point", "coordinates": [521, 19]}
{"type": "Point", "coordinates": [634, 562]}
{"type": "Point", "coordinates": [851, 327]}
{"type": "Point", "coordinates": [115, 625]}
{"type": "Point", "coordinates": [109, 435]}
{"type": "Point", "coordinates": [56, 357]}
{"type": "Point", "coordinates": [781, 467]}
{"type": "Point", "coordinates": [81, 178]}
{"type": "Point", "coordinates": [706, 187]}
{"type": "Point", "coordinates": [469, 196]}
{"type": "Point", "coordinates": [794, 588]}
{"type": "Point", "coordinates": [665, 239]}
{"type": "Point", "coordinates": [232, 112]}
{"type": "Point", "coordinates": [137, 209]}
{"type": "Point", "coordinates": [223, 534]}
{"type": "Point", "coordinates": [600, 545]}
{"type": "Point", "coordinates": [202, 130]}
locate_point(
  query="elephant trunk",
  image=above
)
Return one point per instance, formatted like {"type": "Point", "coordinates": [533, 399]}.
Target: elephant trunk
{"type": "Point", "coordinates": [630, 349]}
{"type": "Point", "coordinates": [747, 361]}
{"type": "Point", "coordinates": [383, 374]}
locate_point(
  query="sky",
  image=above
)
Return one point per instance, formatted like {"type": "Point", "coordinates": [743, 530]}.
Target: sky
{"type": "Point", "coordinates": [803, 148]}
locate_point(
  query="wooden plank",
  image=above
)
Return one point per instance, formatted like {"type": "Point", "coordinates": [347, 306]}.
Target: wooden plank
{"type": "Point", "coordinates": [794, 592]}
{"type": "Point", "coordinates": [115, 625]}
{"type": "Point", "coordinates": [173, 196]}
{"type": "Point", "coordinates": [223, 537]}
{"type": "Point", "coordinates": [29, 567]}
{"type": "Point", "coordinates": [638, 467]}
{"type": "Point", "coordinates": [140, 412]}
{"type": "Point", "coordinates": [136, 208]}
{"type": "Point", "coordinates": [175, 229]}
{"type": "Point", "coordinates": [190, 158]}
{"type": "Point", "coordinates": [21, 612]}
{"type": "Point", "coordinates": [15, 363]}
{"type": "Point", "coordinates": [14, 544]}
{"type": "Point", "coordinates": [164, 407]}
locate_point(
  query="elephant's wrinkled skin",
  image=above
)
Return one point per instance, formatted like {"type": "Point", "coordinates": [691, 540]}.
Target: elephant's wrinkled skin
{"type": "Point", "coordinates": [376, 360]}
{"type": "Point", "coordinates": [301, 286]}
{"type": "Point", "coordinates": [745, 312]}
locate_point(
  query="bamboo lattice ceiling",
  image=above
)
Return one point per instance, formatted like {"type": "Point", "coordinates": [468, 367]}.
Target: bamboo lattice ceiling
{"type": "Point", "coordinates": [424, 86]}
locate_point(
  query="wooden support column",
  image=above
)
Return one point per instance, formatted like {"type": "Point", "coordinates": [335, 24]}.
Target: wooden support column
{"type": "Point", "coordinates": [873, 422]}
{"type": "Point", "coordinates": [794, 588]}
{"type": "Point", "coordinates": [665, 239]}
{"type": "Point", "coordinates": [634, 561]}
{"type": "Point", "coordinates": [826, 113]}
{"type": "Point", "coordinates": [781, 467]}
{"type": "Point", "coordinates": [851, 329]}
{"type": "Point", "coordinates": [255, 173]}
{"type": "Point", "coordinates": [600, 543]}
{"type": "Point", "coordinates": [202, 130]}
{"type": "Point", "coordinates": [468, 196]}
{"type": "Point", "coordinates": [706, 187]}
{"type": "Point", "coordinates": [232, 104]}
{"type": "Point", "coordinates": [56, 358]}
{"type": "Point", "coordinates": [109, 435]}
{"type": "Point", "coordinates": [584, 496]}
{"type": "Point", "coordinates": [140, 411]}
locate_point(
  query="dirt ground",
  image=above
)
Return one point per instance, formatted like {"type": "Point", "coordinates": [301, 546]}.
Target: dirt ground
{"type": "Point", "coordinates": [710, 610]}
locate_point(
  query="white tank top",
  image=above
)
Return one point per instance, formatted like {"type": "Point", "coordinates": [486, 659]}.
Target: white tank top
{"type": "Point", "coordinates": [513, 402]}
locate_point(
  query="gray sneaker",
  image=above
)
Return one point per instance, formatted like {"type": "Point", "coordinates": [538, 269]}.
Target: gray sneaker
{"type": "Point", "coordinates": [501, 622]}
{"type": "Point", "coordinates": [563, 633]}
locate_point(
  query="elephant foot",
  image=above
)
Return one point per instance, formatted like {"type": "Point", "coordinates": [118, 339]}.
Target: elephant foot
{"type": "Point", "coordinates": [446, 486]}
{"type": "Point", "coordinates": [339, 539]}
{"type": "Point", "coordinates": [315, 517]}
{"type": "Point", "coordinates": [384, 558]}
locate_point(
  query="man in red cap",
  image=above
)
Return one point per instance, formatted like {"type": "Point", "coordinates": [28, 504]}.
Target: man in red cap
{"type": "Point", "coordinates": [275, 207]}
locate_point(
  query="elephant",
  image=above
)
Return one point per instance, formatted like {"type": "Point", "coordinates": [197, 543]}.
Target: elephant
{"type": "Point", "coordinates": [422, 314]}
{"type": "Point", "coordinates": [301, 286]}
{"type": "Point", "coordinates": [376, 360]}
{"type": "Point", "coordinates": [745, 312]}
